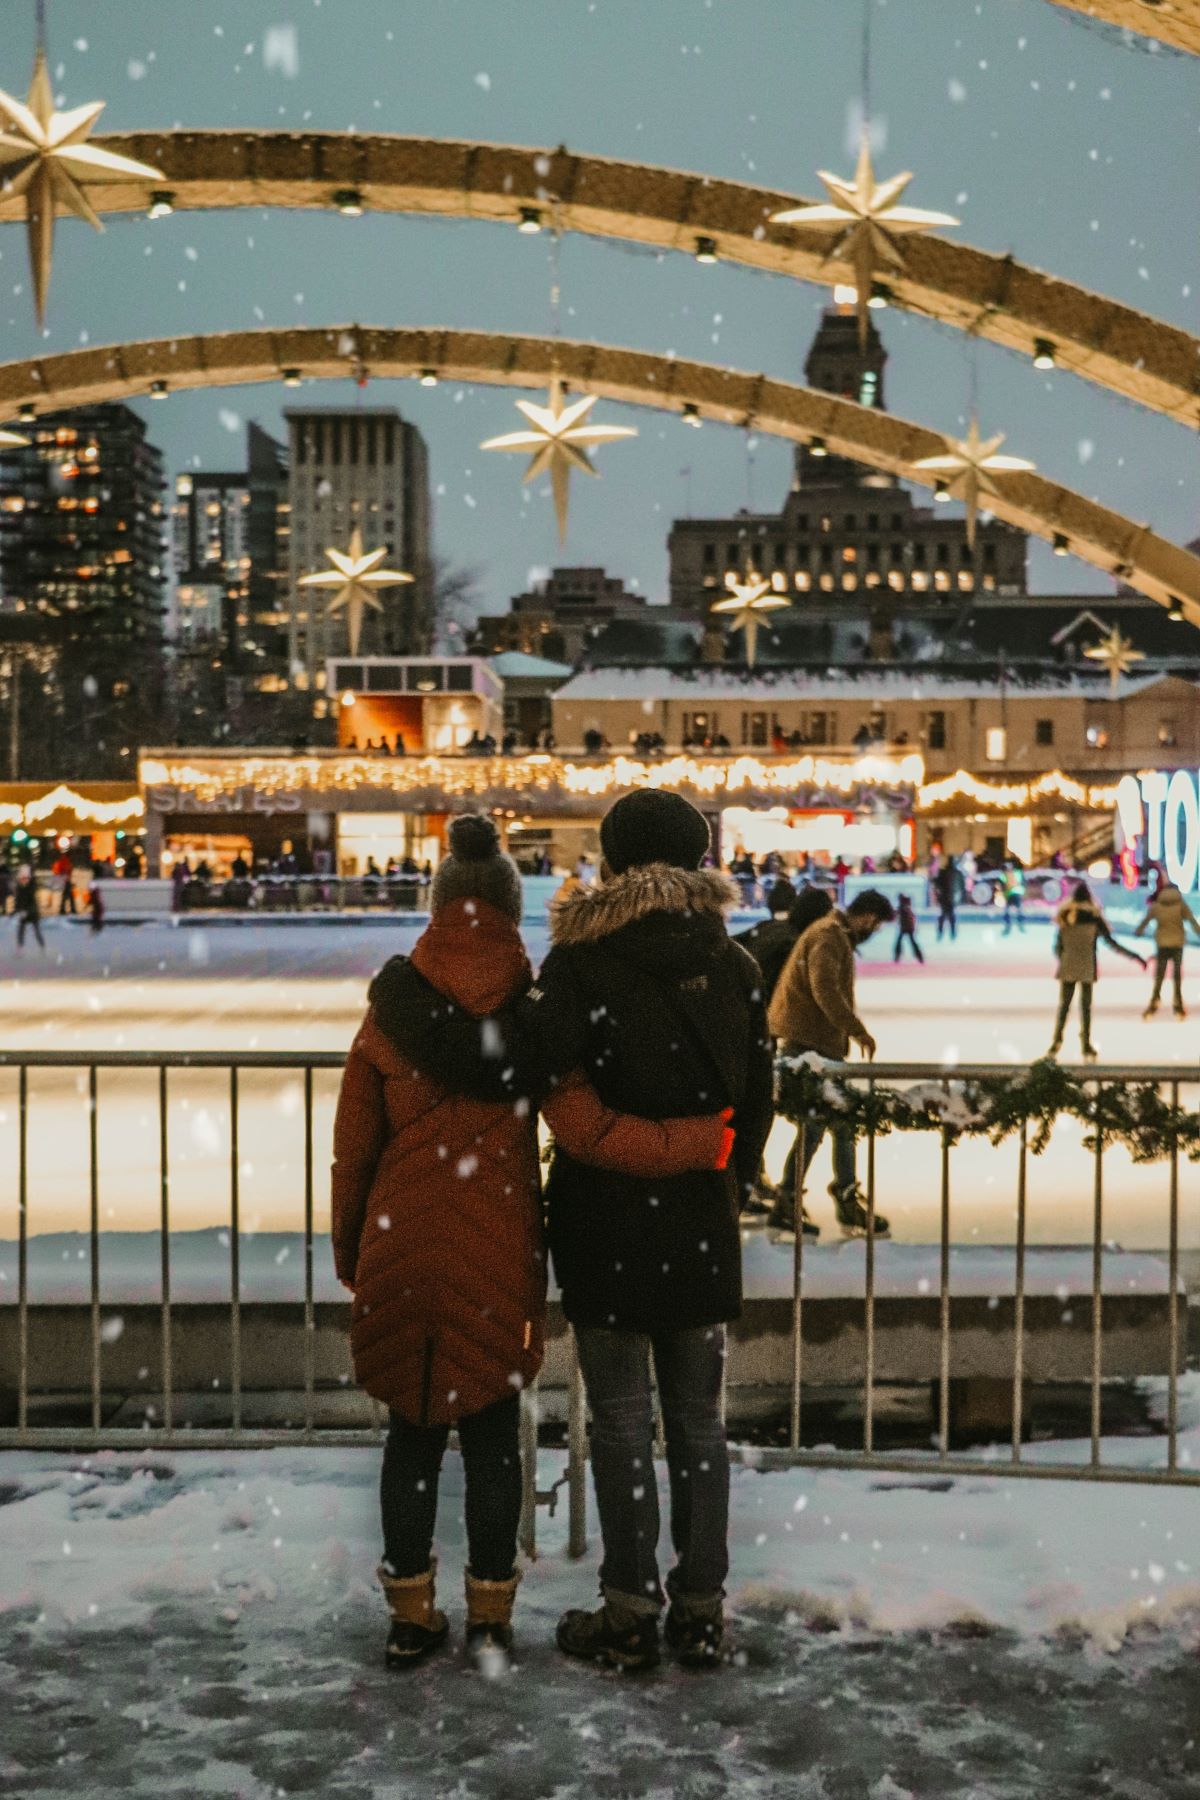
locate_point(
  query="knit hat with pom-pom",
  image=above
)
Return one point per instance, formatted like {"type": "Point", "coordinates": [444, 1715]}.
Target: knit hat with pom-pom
{"type": "Point", "coordinates": [477, 869]}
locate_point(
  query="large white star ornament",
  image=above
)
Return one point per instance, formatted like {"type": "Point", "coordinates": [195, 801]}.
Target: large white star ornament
{"type": "Point", "coordinates": [356, 577]}
{"type": "Point", "coordinates": [871, 221]}
{"type": "Point", "coordinates": [748, 601]}
{"type": "Point", "coordinates": [44, 157]}
{"type": "Point", "coordinates": [558, 440]}
{"type": "Point", "coordinates": [969, 468]}
{"type": "Point", "coordinates": [1117, 654]}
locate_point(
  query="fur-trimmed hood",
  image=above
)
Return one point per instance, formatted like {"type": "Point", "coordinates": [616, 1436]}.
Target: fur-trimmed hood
{"type": "Point", "coordinates": [597, 912]}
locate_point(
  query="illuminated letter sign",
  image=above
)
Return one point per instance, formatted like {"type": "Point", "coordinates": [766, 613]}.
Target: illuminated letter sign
{"type": "Point", "coordinates": [1159, 818]}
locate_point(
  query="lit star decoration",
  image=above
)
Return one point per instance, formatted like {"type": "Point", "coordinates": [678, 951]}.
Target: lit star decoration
{"type": "Point", "coordinates": [356, 577]}
{"type": "Point", "coordinates": [872, 220]}
{"type": "Point", "coordinates": [558, 440]}
{"type": "Point", "coordinates": [748, 601]}
{"type": "Point", "coordinates": [969, 469]}
{"type": "Point", "coordinates": [44, 157]}
{"type": "Point", "coordinates": [1117, 654]}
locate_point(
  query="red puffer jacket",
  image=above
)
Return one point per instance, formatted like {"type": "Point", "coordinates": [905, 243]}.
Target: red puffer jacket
{"type": "Point", "coordinates": [436, 1214]}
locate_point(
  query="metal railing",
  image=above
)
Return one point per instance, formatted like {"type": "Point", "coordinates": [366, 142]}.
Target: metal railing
{"type": "Point", "coordinates": [263, 893]}
{"type": "Point", "coordinates": [163, 1065]}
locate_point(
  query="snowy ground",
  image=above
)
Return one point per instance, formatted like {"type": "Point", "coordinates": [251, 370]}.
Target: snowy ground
{"type": "Point", "coordinates": [984, 998]}
{"type": "Point", "coordinates": [207, 1623]}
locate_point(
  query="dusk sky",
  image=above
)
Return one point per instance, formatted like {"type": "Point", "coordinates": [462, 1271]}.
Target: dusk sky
{"type": "Point", "coordinates": [1020, 118]}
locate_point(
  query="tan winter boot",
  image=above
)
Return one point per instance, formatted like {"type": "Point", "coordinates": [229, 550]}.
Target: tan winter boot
{"type": "Point", "coordinates": [489, 1619]}
{"type": "Point", "coordinates": [417, 1625]}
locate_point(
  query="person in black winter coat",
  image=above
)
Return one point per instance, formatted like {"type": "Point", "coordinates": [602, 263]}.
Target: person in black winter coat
{"type": "Point", "coordinates": [770, 941]}
{"type": "Point", "coordinates": [644, 989]}
{"type": "Point", "coordinates": [27, 908]}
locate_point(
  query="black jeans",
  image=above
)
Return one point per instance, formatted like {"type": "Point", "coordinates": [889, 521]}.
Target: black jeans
{"type": "Point", "coordinates": [912, 938]}
{"type": "Point", "coordinates": [408, 1490]}
{"type": "Point", "coordinates": [25, 922]}
{"type": "Point", "coordinates": [1164, 960]}
{"type": "Point", "coordinates": [1066, 993]}
{"type": "Point", "coordinates": [947, 918]}
{"type": "Point", "coordinates": [688, 1366]}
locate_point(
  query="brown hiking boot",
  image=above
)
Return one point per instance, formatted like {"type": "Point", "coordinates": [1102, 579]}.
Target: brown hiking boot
{"type": "Point", "coordinates": [417, 1625]}
{"type": "Point", "coordinates": [695, 1630]}
{"type": "Point", "coordinates": [489, 1621]}
{"type": "Point", "coordinates": [622, 1633]}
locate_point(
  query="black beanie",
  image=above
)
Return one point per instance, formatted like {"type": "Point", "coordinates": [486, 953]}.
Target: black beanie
{"type": "Point", "coordinates": [650, 826]}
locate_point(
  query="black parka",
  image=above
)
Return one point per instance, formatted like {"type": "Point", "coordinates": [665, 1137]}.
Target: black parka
{"type": "Point", "coordinates": [644, 990]}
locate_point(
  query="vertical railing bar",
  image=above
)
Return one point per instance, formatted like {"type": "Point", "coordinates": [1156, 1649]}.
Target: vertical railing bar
{"type": "Point", "coordinates": [944, 1341]}
{"type": "Point", "coordinates": [94, 1209]}
{"type": "Point", "coordinates": [798, 1285]}
{"type": "Point", "coordinates": [1097, 1281]}
{"type": "Point", "coordinates": [309, 1315]}
{"type": "Point", "coordinates": [1018, 1412]}
{"type": "Point", "coordinates": [23, 1248]}
{"type": "Point", "coordinates": [527, 1530]}
{"type": "Point", "coordinates": [164, 1179]}
{"type": "Point", "coordinates": [576, 1456]}
{"type": "Point", "coordinates": [235, 1302]}
{"type": "Point", "coordinates": [1173, 1302]}
{"type": "Point", "coordinates": [869, 1298]}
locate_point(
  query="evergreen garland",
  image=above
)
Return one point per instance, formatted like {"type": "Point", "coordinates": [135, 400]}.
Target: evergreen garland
{"type": "Point", "coordinates": [1137, 1114]}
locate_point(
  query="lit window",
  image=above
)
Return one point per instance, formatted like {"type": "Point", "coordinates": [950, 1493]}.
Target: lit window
{"type": "Point", "coordinates": [1097, 737]}
{"type": "Point", "coordinates": [996, 743]}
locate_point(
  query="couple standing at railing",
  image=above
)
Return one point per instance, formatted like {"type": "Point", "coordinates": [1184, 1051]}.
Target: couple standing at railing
{"type": "Point", "coordinates": [645, 1044]}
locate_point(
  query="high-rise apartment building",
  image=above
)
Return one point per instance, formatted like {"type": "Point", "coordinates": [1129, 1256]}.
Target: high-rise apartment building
{"type": "Point", "coordinates": [367, 467]}
{"type": "Point", "coordinates": [82, 544]}
{"type": "Point", "coordinates": [229, 532]}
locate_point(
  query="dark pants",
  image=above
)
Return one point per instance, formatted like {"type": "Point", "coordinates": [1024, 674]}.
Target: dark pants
{"type": "Point", "coordinates": [1066, 993]}
{"type": "Point", "coordinates": [1164, 960]}
{"type": "Point", "coordinates": [408, 1490]}
{"type": "Point", "coordinates": [947, 917]}
{"type": "Point", "coordinates": [24, 922]}
{"type": "Point", "coordinates": [845, 1171]}
{"type": "Point", "coordinates": [67, 904]}
{"type": "Point", "coordinates": [1014, 907]}
{"type": "Point", "coordinates": [912, 938]}
{"type": "Point", "coordinates": [688, 1367]}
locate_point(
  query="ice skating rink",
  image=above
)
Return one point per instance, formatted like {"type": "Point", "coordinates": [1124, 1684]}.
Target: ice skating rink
{"type": "Point", "coordinates": [302, 987]}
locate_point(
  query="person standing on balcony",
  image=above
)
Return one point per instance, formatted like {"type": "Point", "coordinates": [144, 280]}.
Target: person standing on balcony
{"type": "Point", "coordinates": [1170, 914]}
{"type": "Point", "coordinates": [813, 1012]}
{"type": "Point", "coordinates": [1081, 925]}
{"type": "Point", "coordinates": [437, 1230]}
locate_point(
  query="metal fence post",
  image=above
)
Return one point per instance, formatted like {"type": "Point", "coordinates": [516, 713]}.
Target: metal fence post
{"type": "Point", "coordinates": [798, 1285]}
{"type": "Point", "coordinates": [309, 1314]}
{"type": "Point", "coordinates": [235, 1283]}
{"type": "Point", "coordinates": [94, 1212]}
{"type": "Point", "coordinates": [527, 1529]}
{"type": "Point", "coordinates": [164, 1178]}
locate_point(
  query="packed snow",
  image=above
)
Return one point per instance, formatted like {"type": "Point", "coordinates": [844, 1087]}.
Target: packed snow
{"type": "Point", "coordinates": [209, 1623]}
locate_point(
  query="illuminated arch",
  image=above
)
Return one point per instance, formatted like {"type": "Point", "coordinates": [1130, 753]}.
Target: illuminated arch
{"type": "Point", "coordinates": [780, 408]}
{"type": "Point", "coordinates": [1171, 21]}
{"type": "Point", "coordinates": [1143, 359]}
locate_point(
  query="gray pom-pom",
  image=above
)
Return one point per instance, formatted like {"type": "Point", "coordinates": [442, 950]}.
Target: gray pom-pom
{"type": "Point", "coordinates": [473, 838]}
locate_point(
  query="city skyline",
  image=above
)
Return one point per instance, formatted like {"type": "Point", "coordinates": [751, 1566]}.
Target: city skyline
{"type": "Point", "coordinates": [1026, 82]}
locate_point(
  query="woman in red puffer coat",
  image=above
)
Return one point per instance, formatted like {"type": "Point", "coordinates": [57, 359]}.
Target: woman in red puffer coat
{"type": "Point", "coordinates": [437, 1228]}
